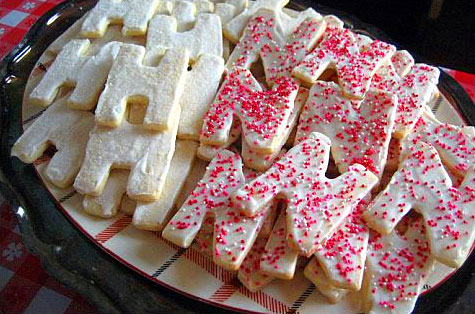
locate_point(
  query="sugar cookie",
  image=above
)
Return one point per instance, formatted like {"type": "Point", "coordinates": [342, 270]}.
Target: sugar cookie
{"type": "Point", "coordinates": [422, 183]}
{"type": "Point", "coordinates": [66, 129]}
{"type": "Point", "coordinates": [134, 15]}
{"type": "Point", "coordinates": [278, 260]}
{"type": "Point", "coordinates": [63, 72]}
{"type": "Point", "coordinates": [279, 53]}
{"type": "Point", "coordinates": [316, 205]}
{"type": "Point", "coordinates": [358, 134]}
{"type": "Point", "coordinates": [263, 114]}
{"type": "Point", "coordinates": [204, 38]}
{"type": "Point", "coordinates": [317, 276]}
{"type": "Point", "coordinates": [250, 274]}
{"type": "Point", "coordinates": [159, 88]}
{"type": "Point", "coordinates": [397, 267]}
{"type": "Point", "coordinates": [147, 154]}
{"type": "Point", "coordinates": [339, 49]}
{"type": "Point", "coordinates": [455, 144]}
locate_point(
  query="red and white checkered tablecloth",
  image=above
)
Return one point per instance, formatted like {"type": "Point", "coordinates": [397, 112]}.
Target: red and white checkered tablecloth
{"type": "Point", "coordinates": [24, 285]}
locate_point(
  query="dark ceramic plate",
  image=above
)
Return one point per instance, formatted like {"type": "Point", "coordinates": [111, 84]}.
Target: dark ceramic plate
{"type": "Point", "coordinates": [77, 262]}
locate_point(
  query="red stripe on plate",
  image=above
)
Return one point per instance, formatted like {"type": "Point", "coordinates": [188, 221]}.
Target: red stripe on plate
{"type": "Point", "coordinates": [113, 229]}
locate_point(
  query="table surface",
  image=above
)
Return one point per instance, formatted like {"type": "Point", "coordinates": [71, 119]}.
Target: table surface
{"type": "Point", "coordinates": [24, 286]}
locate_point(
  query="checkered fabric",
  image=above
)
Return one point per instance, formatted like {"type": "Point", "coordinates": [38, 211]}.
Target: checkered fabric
{"type": "Point", "coordinates": [24, 285]}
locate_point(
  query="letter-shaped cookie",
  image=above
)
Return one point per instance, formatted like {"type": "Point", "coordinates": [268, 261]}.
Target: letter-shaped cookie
{"type": "Point", "coordinates": [279, 260]}
{"type": "Point", "coordinates": [263, 114]}
{"type": "Point", "coordinates": [250, 274]}
{"type": "Point", "coordinates": [201, 85]}
{"type": "Point", "coordinates": [339, 49]}
{"type": "Point", "coordinates": [316, 205]}
{"type": "Point", "coordinates": [414, 91]}
{"type": "Point", "coordinates": [159, 88]}
{"type": "Point", "coordinates": [279, 54]}
{"type": "Point", "coordinates": [63, 72]}
{"type": "Point", "coordinates": [358, 134]}
{"type": "Point", "coordinates": [204, 38]}
{"type": "Point", "coordinates": [455, 144]}
{"type": "Point", "coordinates": [133, 14]}
{"type": "Point", "coordinates": [234, 233]}
{"type": "Point", "coordinates": [147, 215]}
{"type": "Point", "coordinates": [147, 154]}
{"type": "Point", "coordinates": [342, 257]}
{"type": "Point", "coordinates": [422, 183]}
{"type": "Point", "coordinates": [66, 129]}
{"type": "Point", "coordinates": [314, 272]}
{"type": "Point", "coordinates": [396, 269]}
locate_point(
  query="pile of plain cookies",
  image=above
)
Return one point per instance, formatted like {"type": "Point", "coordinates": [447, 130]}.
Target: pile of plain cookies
{"type": "Point", "coordinates": [320, 143]}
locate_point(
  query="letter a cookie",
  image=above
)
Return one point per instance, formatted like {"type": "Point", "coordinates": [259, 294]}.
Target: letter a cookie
{"type": "Point", "coordinates": [147, 155]}
{"type": "Point", "coordinates": [397, 267]}
{"type": "Point", "coordinates": [66, 129]}
{"type": "Point", "coordinates": [358, 134]}
{"type": "Point", "coordinates": [422, 183]}
{"type": "Point", "coordinates": [316, 205]}
{"type": "Point", "coordinates": [134, 15]}
{"type": "Point", "coordinates": [159, 88]}
{"type": "Point", "coordinates": [263, 114]}
{"type": "Point", "coordinates": [339, 49]}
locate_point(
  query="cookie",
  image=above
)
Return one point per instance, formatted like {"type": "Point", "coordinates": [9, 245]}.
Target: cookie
{"type": "Point", "coordinates": [360, 131]}
{"type": "Point", "coordinates": [158, 88]}
{"type": "Point", "coordinates": [278, 260]}
{"type": "Point", "coordinates": [250, 274]}
{"type": "Point", "coordinates": [397, 267]}
{"type": "Point", "coordinates": [317, 276]}
{"type": "Point", "coordinates": [147, 154]}
{"type": "Point", "coordinates": [234, 233]}
{"type": "Point", "coordinates": [421, 183]}
{"type": "Point", "coordinates": [455, 144]}
{"type": "Point", "coordinates": [414, 90]}
{"type": "Point", "coordinates": [339, 50]}
{"type": "Point", "coordinates": [263, 114]}
{"type": "Point", "coordinates": [342, 257]}
{"type": "Point", "coordinates": [204, 38]}
{"type": "Point", "coordinates": [65, 129]}
{"type": "Point", "coordinates": [316, 205]}
{"type": "Point", "coordinates": [279, 52]}
{"type": "Point", "coordinates": [132, 14]}
{"type": "Point", "coordinates": [63, 72]}
{"type": "Point", "coordinates": [201, 85]}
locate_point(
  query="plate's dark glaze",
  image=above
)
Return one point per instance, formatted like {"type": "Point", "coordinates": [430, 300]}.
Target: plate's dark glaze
{"type": "Point", "coordinates": [77, 262]}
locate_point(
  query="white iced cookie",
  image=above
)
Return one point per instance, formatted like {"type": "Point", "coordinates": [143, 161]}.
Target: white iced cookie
{"type": "Point", "coordinates": [92, 77]}
{"type": "Point", "coordinates": [421, 183]}
{"type": "Point", "coordinates": [402, 61]}
{"type": "Point", "coordinates": [134, 15]}
{"type": "Point", "coordinates": [155, 215]}
{"type": "Point", "coordinates": [318, 277]}
{"type": "Point", "coordinates": [414, 90]}
{"type": "Point", "coordinates": [316, 205]}
{"type": "Point", "coordinates": [67, 130]}
{"type": "Point", "coordinates": [263, 113]}
{"type": "Point", "coordinates": [250, 274]}
{"type": "Point", "coordinates": [147, 154]}
{"type": "Point", "coordinates": [396, 269]}
{"type": "Point", "coordinates": [63, 72]}
{"type": "Point", "coordinates": [208, 151]}
{"type": "Point", "coordinates": [185, 13]}
{"type": "Point", "coordinates": [339, 50]}
{"type": "Point", "coordinates": [201, 85]}
{"type": "Point", "coordinates": [204, 38]}
{"type": "Point", "coordinates": [342, 257]}
{"type": "Point", "coordinates": [234, 233]}
{"type": "Point", "coordinates": [108, 203]}
{"type": "Point", "coordinates": [158, 88]}
{"type": "Point", "coordinates": [279, 53]}
{"type": "Point", "coordinates": [455, 144]}
{"type": "Point", "coordinates": [360, 131]}
{"type": "Point", "coordinates": [279, 260]}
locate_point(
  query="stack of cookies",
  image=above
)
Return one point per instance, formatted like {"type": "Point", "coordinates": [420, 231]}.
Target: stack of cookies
{"type": "Point", "coordinates": [316, 146]}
